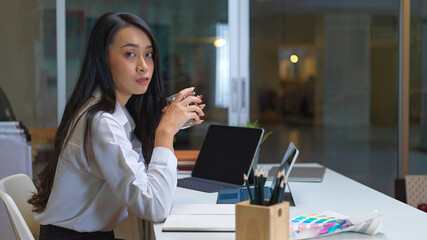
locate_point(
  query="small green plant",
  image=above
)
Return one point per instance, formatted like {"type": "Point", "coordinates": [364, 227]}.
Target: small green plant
{"type": "Point", "coordinates": [255, 124]}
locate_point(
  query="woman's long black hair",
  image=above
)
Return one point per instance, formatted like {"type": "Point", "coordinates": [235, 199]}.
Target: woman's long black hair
{"type": "Point", "coordinates": [145, 109]}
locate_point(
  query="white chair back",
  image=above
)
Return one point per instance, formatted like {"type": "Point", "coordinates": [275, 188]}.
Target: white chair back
{"type": "Point", "coordinates": [15, 190]}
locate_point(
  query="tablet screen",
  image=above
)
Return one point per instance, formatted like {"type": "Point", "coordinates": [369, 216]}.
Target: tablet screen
{"type": "Point", "coordinates": [287, 162]}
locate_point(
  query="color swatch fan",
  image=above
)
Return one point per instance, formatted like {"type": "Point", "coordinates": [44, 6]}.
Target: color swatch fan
{"type": "Point", "coordinates": [327, 223]}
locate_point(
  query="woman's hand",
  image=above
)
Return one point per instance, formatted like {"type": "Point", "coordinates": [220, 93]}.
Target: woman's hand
{"type": "Point", "coordinates": [176, 115]}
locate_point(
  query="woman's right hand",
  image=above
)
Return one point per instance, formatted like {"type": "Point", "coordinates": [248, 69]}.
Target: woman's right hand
{"type": "Point", "coordinates": [176, 115]}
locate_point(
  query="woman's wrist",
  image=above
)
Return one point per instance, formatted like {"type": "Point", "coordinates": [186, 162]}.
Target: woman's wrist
{"type": "Point", "coordinates": [164, 138]}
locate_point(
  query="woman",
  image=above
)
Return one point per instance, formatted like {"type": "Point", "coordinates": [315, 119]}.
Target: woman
{"type": "Point", "coordinates": [114, 144]}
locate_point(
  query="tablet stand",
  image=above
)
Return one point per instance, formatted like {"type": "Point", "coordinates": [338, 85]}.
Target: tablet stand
{"type": "Point", "coordinates": [287, 196]}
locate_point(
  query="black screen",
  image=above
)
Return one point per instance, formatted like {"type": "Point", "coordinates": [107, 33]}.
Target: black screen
{"type": "Point", "coordinates": [227, 153]}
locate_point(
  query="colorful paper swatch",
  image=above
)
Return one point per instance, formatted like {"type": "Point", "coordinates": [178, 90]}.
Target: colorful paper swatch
{"type": "Point", "coordinates": [324, 223]}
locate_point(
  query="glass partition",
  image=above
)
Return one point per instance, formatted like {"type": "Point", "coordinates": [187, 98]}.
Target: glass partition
{"type": "Point", "coordinates": [324, 76]}
{"type": "Point", "coordinates": [28, 61]}
{"type": "Point", "coordinates": [418, 89]}
{"type": "Point", "coordinates": [192, 39]}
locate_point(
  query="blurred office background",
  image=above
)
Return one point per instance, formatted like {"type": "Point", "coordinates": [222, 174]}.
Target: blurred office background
{"type": "Point", "coordinates": [321, 73]}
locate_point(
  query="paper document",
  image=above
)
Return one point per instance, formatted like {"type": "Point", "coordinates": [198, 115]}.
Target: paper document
{"type": "Point", "coordinates": [201, 218]}
{"type": "Point", "coordinates": [203, 209]}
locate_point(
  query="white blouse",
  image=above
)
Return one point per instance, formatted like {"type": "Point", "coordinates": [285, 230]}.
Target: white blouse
{"type": "Point", "coordinates": [95, 195]}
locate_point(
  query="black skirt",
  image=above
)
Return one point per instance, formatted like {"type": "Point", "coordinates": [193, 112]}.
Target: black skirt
{"type": "Point", "coordinates": [51, 232]}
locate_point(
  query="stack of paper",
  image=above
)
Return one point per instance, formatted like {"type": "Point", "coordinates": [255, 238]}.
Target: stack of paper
{"type": "Point", "coordinates": [15, 150]}
{"type": "Point", "coordinates": [15, 157]}
{"type": "Point", "coordinates": [186, 165]}
{"type": "Point", "coordinates": [201, 218]}
{"type": "Point", "coordinates": [186, 160]}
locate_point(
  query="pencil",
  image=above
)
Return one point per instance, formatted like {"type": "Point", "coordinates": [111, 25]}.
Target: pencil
{"type": "Point", "coordinates": [280, 193]}
{"type": "Point", "coordinates": [261, 188]}
{"type": "Point", "coordinates": [282, 175]}
{"type": "Point", "coordinates": [248, 187]}
{"type": "Point", "coordinates": [285, 180]}
{"type": "Point", "coordinates": [273, 198]}
{"type": "Point", "coordinates": [273, 191]}
{"type": "Point", "coordinates": [256, 191]}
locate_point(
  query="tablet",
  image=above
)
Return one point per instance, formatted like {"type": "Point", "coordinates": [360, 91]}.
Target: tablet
{"type": "Point", "coordinates": [286, 164]}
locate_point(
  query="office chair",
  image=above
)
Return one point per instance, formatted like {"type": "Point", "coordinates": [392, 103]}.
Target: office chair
{"type": "Point", "coordinates": [15, 190]}
{"type": "Point", "coordinates": [416, 189]}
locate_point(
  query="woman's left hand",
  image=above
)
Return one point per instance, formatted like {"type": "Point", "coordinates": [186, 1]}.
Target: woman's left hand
{"type": "Point", "coordinates": [181, 110]}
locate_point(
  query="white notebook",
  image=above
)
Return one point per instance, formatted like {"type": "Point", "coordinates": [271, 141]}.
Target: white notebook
{"type": "Point", "coordinates": [201, 218]}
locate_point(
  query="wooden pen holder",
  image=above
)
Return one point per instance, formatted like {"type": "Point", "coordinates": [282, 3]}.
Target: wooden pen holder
{"type": "Point", "coordinates": [262, 222]}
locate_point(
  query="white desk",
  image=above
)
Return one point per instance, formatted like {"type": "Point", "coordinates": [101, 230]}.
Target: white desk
{"type": "Point", "coordinates": [337, 193]}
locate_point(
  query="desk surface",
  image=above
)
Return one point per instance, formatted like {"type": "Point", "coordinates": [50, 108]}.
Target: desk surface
{"type": "Point", "coordinates": [337, 193]}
